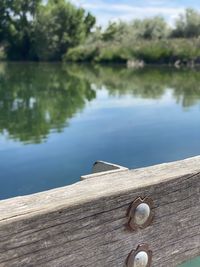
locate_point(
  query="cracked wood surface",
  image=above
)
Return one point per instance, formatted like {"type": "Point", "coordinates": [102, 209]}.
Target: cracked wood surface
{"type": "Point", "coordinates": [85, 224]}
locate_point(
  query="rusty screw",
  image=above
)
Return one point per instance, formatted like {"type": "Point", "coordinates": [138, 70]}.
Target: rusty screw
{"type": "Point", "coordinates": [141, 257]}
{"type": "Point", "coordinates": [140, 214]}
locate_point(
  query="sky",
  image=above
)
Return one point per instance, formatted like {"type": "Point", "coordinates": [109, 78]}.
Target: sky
{"type": "Point", "coordinates": [113, 10]}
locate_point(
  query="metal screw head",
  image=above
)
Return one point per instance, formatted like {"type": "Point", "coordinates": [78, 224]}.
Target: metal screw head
{"type": "Point", "coordinates": [140, 214]}
{"type": "Point", "coordinates": [141, 257]}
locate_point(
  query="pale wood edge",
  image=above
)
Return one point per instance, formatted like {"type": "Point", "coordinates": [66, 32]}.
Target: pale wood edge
{"type": "Point", "coordinates": [99, 174]}
{"type": "Point", "coordinates": [93, 189]}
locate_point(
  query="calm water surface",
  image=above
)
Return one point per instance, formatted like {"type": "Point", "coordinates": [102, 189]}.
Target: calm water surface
{"type": "Point", "coordinates": [55, 121]}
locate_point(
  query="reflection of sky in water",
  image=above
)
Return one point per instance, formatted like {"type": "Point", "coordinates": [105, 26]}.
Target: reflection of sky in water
{"type": "Point", "coordinates": [148, 122]}
{"type": "Point", "coordinates": [106, 101]}
{"type": "Point", "coordinates": [7, 143]}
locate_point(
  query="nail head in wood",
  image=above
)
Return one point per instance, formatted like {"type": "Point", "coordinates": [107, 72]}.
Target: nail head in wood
{"type": "Point", "coordinates": [141, 257]}
{"type": "Point", "coordinates": [140, 214]}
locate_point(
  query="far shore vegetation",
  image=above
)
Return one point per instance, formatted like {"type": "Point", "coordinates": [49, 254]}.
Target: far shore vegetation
{"type": "Point", "coordinates": [56, 30]}
{"type": "Point", "coordinates": [150, 41]}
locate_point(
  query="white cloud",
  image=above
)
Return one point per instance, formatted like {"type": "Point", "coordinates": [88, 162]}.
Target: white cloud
{"type": "Point", "coordinates": [127, 10]}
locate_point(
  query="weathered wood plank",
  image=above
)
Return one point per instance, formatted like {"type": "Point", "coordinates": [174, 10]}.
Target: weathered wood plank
{"type": "Point", "coordinates": [84, 224]}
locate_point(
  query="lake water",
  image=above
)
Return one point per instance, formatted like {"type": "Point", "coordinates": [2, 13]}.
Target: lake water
{"type": "Point", "coordinates": [57, 120]}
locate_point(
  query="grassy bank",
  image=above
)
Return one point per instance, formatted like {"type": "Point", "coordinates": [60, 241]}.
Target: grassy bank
{"type": "Point", "coordinates": [167, 51]}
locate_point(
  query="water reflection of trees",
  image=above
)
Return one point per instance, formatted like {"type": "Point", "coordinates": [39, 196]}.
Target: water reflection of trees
{"type": "Point", "coordinates": [146, 83]}
{"type": "Point", "coordinates": [37, 98]}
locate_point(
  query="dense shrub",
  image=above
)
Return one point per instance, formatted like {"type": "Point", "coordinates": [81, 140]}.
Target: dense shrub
{"type": "Point", "coordinates": [150, 40]}
{"type": "Point", "coordinates": [113, 53]}
{"type": "Point", "coordinates": [82, 53]}
{"type": "Point", "coordinates": [166, 51]}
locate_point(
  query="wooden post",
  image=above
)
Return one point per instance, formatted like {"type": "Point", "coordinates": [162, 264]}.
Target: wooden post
{"type": "Point", "coordinates": [85, 224]}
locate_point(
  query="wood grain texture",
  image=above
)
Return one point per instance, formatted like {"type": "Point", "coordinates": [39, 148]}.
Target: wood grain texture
{"type": "Point", "coordinates": [84, 224]}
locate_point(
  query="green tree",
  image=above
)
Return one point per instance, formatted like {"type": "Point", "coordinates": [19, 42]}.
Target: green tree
{"type": "Point", "coordinates": [89, 22]}
{"type": "Point", "coordinates": [16, 27]}
{"type": "Point", "coordinates": [188, 24]}
{"type": "Point", "coordinates": [111, 31]}
{"type": "Point", "coordinates": [32, 29]}
{"type": "Point", "coordinates": [116, 31]}
{"type": "Point", "coordinates": [59, 26]}
{"type": "Point", "coordinates": [151, 28]}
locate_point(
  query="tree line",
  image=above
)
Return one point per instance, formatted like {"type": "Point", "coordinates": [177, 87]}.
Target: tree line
{"type": "Point", "coordinates": [41, 30]}
{"type": "Point", "coordinates": [151, 40]}
{"type": "Point", "coordinates": [55, 30]}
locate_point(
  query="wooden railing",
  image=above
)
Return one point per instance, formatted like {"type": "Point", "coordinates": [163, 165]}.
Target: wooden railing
{"type": "Point", "coordinates": [92, 224]}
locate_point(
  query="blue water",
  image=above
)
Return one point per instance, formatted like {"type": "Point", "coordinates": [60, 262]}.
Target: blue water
{"type": "Point", "coordinates": [56, 121]}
